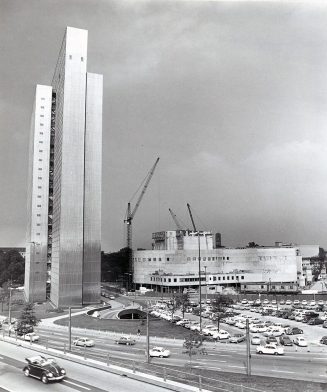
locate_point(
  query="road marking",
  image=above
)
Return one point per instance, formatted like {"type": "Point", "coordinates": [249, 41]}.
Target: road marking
{"type": "Point", "coordinates": [281, 371]}
{"type": "Point", "coordinates": [77, 385]}
{"type": "Point", "coordinates": [239, 367]}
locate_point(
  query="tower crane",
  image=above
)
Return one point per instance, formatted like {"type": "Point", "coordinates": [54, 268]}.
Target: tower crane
{"type": "Point", "coordinates": [178, 225]}
{"type": "Point", "coordinates": [130, 213]}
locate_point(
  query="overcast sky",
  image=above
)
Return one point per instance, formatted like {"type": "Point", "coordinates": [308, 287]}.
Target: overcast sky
{"type": "Point", "coordinates": [231, 96]}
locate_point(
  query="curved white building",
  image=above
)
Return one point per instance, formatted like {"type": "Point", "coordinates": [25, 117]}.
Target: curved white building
{"type": "Point", "coordinates": [173, 264]}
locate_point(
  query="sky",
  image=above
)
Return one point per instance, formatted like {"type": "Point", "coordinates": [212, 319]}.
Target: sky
{"type": "Point", "coordinates": [232, 96]}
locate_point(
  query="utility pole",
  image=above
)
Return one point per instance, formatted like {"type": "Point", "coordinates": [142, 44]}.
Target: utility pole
{"type": "Point", "coordinates": [70, 330]}
{"type": "Point", "coordinates": [205, 273]}
{"type": "Point", "coordinates": [147, 334]}
{"type": "Point", "coordinates": [248, 353]}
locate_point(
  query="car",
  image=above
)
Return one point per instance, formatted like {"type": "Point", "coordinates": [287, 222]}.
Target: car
{"type": "Point", "coordinates": [244, 301]}
{"type": "Point", "coordinates": [266, 301]}
{"type": "Point", "coordinates": [323, 340]}
{"type": "Point", "coordinates": [324, 324]}
{"type": "Point", "coordinates": [240, 324]}
{"type": "Point", "coordinates": [182, 322]}
{"type": "Point", "coordinates": [84, 342]}
{"type": "Point", "coordinates": [274, 302]}
{"type": "Point", "coordinates": [46, 369]}
{"type": "Point", "coordinates": [288, 302]}
{"type": "Point", "coordinates": [256, 340]}
{"type": "Point", "coordinates": [300, 341]}
{"type": "Point", "coordinates": [257, 301]}
{"type": "Point", "coordinates": [220, 335]}
{"type": "Point", "coordinates": [271, 349]}
{"type": "Point", "coordinates": [282, 302]}
{"type": "Point", "coordinates": [294, 331]}
{"type": "Point", "coordinates": [251, 302]}
{"type": "Point", "coordinates": [321, 302]}
{"type": "Point", "coordinates": [32, 336]}
{"type": "Point", "coordinates": [112, 297]}
{"type": "Point", "coordinates": [237, 338]}
{"type": "Point", "coordinates": [159, 352]}
{"type": "Point", "coordinates": [315, 321]}
{"type": "Point", "coordinates": [296, 302]}
{"type": "Point", "coordinates": [312, 303]}
{"type": "Point", "coordinates": [271, 339]}
{"type": "Point", "coordinates": [285, 341]}
{"type": "Point", "coordinates": [127, 340]}
{"type": "Point", "coordinates": [304, 302]}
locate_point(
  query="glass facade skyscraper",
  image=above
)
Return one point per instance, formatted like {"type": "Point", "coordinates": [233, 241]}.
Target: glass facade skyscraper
{"type": "Point", "coordinates": [63, 251]}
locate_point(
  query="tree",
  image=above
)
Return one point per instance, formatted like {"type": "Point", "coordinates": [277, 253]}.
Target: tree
{"type": "Point", "coordinates": [220, 305]}
{"type": "Point", "coordinates": [183, 301]}
{"type": "Point", "coordinates": [27, 319]}
{"type": "Point", "coordinates": [190, 343]}
{"type": "Point", "coordinates": [252, 245]}
{"type": "Point", "coordinates": [12, 267]}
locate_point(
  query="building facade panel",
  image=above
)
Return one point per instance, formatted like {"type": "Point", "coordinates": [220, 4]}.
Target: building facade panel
{"type": "Point", "coordinates": [92, 190]}
{"type": "Point", "coordinates": [38, 190]}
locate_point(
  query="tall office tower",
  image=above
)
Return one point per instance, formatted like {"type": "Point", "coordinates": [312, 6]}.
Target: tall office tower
{"type": "Point", "coordinates": [64, 231]}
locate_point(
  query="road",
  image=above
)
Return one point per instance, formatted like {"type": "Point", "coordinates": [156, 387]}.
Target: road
{"type": "Point", "coordinates": [297, 362]}
{"type": "Point", "coordinates": [79, 377]}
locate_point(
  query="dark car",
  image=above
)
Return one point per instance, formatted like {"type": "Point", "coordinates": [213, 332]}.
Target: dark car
{"type": "Point", "coordinates": [315, 321]}
{"type": "Point", "coordinates": [237, 338]}
{"type": "Point", "coordinates": [285, 341]}
{"type": "Point", "coordinates": [271, 339]}
{"type": "Point", "coordinates": [323, 340]}
{"type": "Point", "coordinates": [46, 369]}
{"type": "Point", "coordinates": [294, 331]}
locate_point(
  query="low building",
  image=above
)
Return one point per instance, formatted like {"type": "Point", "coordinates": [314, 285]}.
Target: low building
{"type": "Point", "coordinates": [173, 264]}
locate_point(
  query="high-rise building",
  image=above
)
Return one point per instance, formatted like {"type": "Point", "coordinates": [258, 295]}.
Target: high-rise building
{"type": "Point", "coordinates": [63, 251]}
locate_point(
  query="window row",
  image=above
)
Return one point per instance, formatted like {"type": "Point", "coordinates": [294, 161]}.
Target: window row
{"type": "Point", "coordinates": [196, 279]}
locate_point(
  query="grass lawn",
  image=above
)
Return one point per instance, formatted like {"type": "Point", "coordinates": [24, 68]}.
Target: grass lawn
{"type": "Point", "coordinates": [158, 327]}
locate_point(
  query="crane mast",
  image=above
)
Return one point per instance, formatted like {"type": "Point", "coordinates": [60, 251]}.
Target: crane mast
{"type": "Point", "coordinates": [178, 225]}
{"type": "Point", "coordinates": [130, 213]}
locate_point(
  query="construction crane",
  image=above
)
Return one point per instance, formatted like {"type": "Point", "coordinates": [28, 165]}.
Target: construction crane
{"type": "Point", "coordinates": [178, 225]}
{"type": "Point", "coordinates": [130, 213]}
{"type": "Point", "coordinates": [199, 259]}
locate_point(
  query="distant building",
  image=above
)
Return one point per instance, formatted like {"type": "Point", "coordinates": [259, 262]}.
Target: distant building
{"type": "Point", "coordinates": [172, 264]}
{"type": "Point", "coordinates": [64, 196]}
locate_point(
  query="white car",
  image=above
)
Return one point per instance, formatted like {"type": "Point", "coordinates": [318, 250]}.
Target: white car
{"type": "Point", "coordinates": [254, 328]}
{"type": "Point", "coordinates": [304, 302]}
{"type": "Point", "coordinates": [256, 340]}
{"type": "Point", "coordinates": [288, 302]}
{"type": "Point", "coordinates": [159, 352]}
{"type": "Point", "coordinates": [244, 301]}
{"type": "Point", "coordinates": [266, 301]}
{"type": "Point", "coordinates": [220, 335]}
{"type": "Point", "coordinates": [270, 349]}
{"type": "Point", "coordinates": [209, 329]}
{"type": "Point", "coordinates": [195, 327]}
{"type": "Point", "coordinates": [84, 342]}
{"type": "Point", "coordinates": [300, 341]}
{"type": "Point", "coordinates": [182, 322]}
{"type": "Point", "coordinates": [32, 336]}
{"type": "Point", "coordinates": [240, 325]}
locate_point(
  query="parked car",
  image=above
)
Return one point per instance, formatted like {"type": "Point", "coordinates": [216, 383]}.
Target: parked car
{"type": "Point", "coordinates": [271, 339]}
{"type": "Point", "coordinates": [288, 302]}
{"type": "Point", "coordinates": [304, 302]}
{"type": "Point", "coordinates": [237, 338]}
{"type": "Point", "coordinates": [127, 340]}
{"type": "Point", "coordinates": [294, 331]}
{"type": "Point", "coordinates": [159, 352]}
{"type": "Point", "coordinates": [112, 297]}
{"type": "Point", "coordinates": [244, 301]}
{"type": "Point", "coordinates": [46, 369]}
{"type": "Point", "coordinates": [324, 324]}
{"type": "Point", "coordinates": [282, 302]}
{"type": "Point", "coordinates": [84, 342]}
{"type": "Point", "coordinates": [315, 321]}
{"type": "Point", "coordinates": [256, 340]}
{"type": "Point", "coordinates": [182, 322]}
{"type": "Point", "coordinates": [285, 341]}
{"type": "Point", "coordinates": [323, 340]}
{"type": "Point", "coordinates": [220, 335]}
{"type": "Point", "coordinates": [271, 349]}
{"type": "Point", "coordinates": [296, 302]}
{"type": "Point", "coordinates": [300, 341]}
